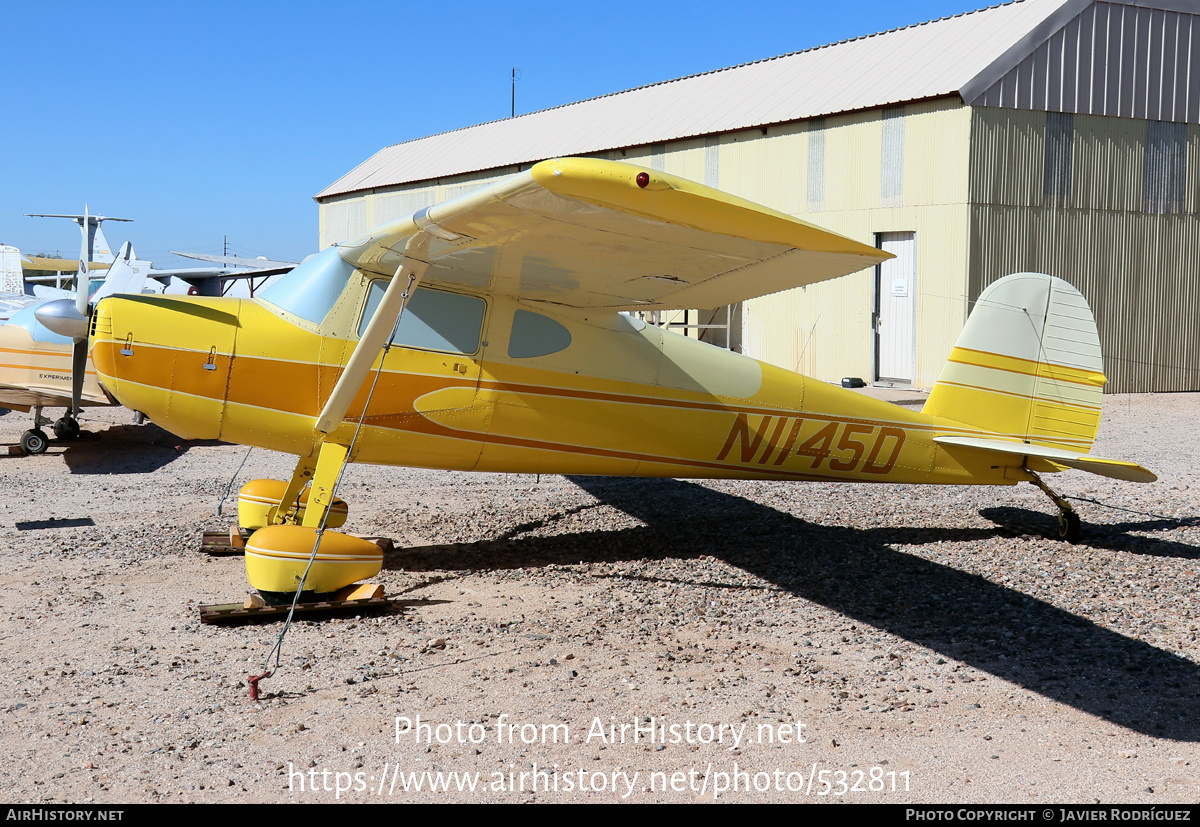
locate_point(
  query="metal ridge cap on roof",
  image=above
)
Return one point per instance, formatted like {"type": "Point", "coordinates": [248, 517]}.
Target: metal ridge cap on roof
{"type": "Point", "coordinates": [702, 74]}
{"type": "Point", "coordinates": [354, 186]}
{"type": "Point", "coordinates": [466, 170]}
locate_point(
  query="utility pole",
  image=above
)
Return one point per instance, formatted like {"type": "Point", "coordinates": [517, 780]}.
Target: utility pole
{"type": "Point", "coordinates": [516, 75]}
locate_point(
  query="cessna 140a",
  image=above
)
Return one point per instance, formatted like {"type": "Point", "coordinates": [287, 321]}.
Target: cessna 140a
{"type": "Point", "coordinates": [486, 333]}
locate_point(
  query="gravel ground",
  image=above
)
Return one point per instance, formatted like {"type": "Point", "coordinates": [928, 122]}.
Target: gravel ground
{"type": "Point", "coordinates": [873, 643]}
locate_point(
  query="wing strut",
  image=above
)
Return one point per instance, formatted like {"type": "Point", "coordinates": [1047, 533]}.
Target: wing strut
{"type": "Point", "coordinates": [324, 469]}
{"type": "Point", "coordinates": [377, 334]}
{"type": "Point", "coordinates": [333, 454]}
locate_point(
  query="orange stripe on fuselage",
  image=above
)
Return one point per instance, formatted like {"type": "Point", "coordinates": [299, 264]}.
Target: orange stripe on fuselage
{"type": "Point", "coordinates": [298, 387]}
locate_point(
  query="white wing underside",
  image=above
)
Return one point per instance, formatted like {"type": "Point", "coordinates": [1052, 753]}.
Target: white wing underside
{"type": "Point", "coordinates": [687, 247]}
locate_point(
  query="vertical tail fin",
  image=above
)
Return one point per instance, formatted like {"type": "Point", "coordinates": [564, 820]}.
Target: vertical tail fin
{"type": "Point", "coordinates": [1027, 365]}
{"type": "Point", "coordinates": [123, 276]}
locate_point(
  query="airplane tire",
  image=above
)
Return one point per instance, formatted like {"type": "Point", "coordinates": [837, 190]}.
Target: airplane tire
{"type": "Point", "coordinates": [66, 428]}
{"type": "Point", "coordinates": [35, 441]}
{"type": "Point", "coordinates": [1069, 527]}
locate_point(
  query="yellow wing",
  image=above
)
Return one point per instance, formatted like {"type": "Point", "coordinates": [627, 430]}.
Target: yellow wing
{"type": "Point", "coordinates": [589, 233]}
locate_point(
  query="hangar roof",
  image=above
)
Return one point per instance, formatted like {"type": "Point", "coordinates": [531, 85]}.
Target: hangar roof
{"type": "Point", "coordinates": [1027, 53]}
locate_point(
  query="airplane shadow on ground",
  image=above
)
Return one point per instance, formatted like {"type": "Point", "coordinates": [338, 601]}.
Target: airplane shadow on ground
{"type": "Point", "coordinates": [124, 449]}
{"type": "Point", "coordinates": [1111, 536]}
{"type": "Point", "coordinates": [858, 573]}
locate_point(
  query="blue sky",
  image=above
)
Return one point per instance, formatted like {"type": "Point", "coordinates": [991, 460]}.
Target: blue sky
{"type": "Point", "coordinates": [207, 119]}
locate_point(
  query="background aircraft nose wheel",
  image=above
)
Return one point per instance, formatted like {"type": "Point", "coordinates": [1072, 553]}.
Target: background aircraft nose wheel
{"type": "Point", "coordinates": [1068, 526]}
{"type": "Point", "coordinates": [66, 428]}
{"type": "Point", "coordinates": [35, 441]}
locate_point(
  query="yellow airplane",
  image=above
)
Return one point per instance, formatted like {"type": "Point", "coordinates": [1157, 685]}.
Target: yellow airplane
{"type": "Point", "coordinates": [491, 333]}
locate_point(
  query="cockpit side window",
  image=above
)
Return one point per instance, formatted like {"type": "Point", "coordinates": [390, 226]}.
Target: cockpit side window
{"type": "Point", "coordinates": [310, 290]}
{"type": "Point", "coordinates": [433, 319]}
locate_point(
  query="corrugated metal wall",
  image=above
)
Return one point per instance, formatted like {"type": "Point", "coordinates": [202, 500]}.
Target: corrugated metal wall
{"type": "Point", "coordinates": [345, 218]}
{"type": "Point", "coordinates": [1126, 234]}
{"type": "Point", "coordinates": [1121, 60]}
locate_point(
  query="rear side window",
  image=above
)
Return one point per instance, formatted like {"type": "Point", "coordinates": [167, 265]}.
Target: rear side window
{"type": "Point", "coordinates": [433, 319]}
{"type": "Point", "coordinates": [536, 335]}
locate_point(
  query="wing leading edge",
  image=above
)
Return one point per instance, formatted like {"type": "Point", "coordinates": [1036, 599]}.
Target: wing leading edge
{"type": "Point", "coordinates": [589, 233]}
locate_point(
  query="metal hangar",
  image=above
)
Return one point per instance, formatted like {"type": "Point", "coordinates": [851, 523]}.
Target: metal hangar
{"type": "Point", "coordinates": [1060, 136]}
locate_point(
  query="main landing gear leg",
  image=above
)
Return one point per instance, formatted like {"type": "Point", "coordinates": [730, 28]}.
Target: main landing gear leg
{"type": "Point", "coordinates": [329, 465]}
{"type": "Point", "coordinates": [1068, 518]}
{"type": "Point", "coordinates": [285, 558]}
{"type": "Point", "coordinates": [263, 503]}
{"type": "Point", "coordinates": [286, 510]}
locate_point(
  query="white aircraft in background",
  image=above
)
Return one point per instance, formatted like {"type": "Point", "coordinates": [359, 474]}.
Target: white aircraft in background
{"type": "Point", "coordinates": [19, 290]}
{"type": "Point", "coordinates": [38, 367]}
{"type": "Point", "coordinates": [193, 281]}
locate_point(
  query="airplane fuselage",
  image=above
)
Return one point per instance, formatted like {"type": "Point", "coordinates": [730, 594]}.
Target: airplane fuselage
{"type": "Point", "coordinates": [508, 386]}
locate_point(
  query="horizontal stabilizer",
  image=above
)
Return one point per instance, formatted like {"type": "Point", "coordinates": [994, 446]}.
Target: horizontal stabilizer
{"type": "Point", "coordinates": [1115, 468]}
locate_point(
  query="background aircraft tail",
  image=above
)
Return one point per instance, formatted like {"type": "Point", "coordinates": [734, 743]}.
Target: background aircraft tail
{"type": "Point", "coordinates": [1027, 366]}
{"type": "Point", "coordinates": [127, 274]}
{"type": "Point", "coordinates": [95, 245]}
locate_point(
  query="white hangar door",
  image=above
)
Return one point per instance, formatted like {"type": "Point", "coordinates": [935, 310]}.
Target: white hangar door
{"type": "Point", "coordinates": [895, 303]}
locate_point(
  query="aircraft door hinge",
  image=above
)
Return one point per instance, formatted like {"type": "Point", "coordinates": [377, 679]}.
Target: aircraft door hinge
{"type": "Point", "coordinates": [128, 349]}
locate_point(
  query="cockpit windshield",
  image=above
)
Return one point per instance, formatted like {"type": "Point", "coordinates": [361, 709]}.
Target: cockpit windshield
{"type": "Point", "coordinates": [310, 290]}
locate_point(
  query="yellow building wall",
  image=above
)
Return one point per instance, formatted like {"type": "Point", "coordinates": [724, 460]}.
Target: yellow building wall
{"type": "Point", "coordinates": [825, 330]}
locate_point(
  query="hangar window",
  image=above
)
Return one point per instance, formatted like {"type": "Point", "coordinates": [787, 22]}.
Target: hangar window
{"type": "Point", "coordinates": [1060, 142]}
{"type": "Point", "coordinates": [536, 335]}
{"type": "Point", "coordinates": [310, 290]}
{"type": "Point", "coordinates": [433, 319]}
{"type": "Point", "coordinates": [1164, 173]}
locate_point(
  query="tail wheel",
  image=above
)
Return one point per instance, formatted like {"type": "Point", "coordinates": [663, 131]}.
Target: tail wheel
{"type": "Point", "coordinates": [1068, 526]}
{"type": "Point", "coordinates": [35, 441]}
